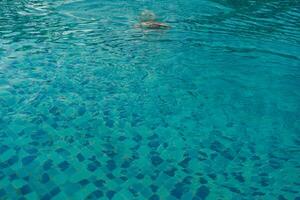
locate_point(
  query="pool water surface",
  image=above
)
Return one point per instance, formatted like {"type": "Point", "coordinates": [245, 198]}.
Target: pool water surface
{"type": "Point", "coordinates": [93, 107]}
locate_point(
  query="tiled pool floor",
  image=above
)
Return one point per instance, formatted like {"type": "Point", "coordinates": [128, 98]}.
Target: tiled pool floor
{"type": "Point", "coordinates": [73, 146]}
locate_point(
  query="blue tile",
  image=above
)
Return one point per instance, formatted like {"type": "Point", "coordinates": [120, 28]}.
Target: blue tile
{"type": "Point", "coordinates": [28, 159]}
{"type": "Point", "coordinates": [63, 165]}
{"type": "Point", "coordinates": [25, 189]}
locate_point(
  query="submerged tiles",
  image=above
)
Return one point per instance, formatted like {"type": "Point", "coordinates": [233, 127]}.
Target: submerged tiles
{"type": "Point", "coordinates": [153, 164]}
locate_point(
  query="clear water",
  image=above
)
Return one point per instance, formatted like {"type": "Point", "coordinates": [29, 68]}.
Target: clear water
{"type": "Point", "coordinates": [93, 108]}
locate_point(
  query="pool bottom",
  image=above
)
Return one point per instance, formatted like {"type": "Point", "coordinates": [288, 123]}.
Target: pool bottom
{"type": "Point", "coordinates": [141, 163]}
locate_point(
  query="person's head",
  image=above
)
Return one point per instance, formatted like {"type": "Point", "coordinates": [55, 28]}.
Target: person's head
{"type": "Point", "coordinates": [147, 15]}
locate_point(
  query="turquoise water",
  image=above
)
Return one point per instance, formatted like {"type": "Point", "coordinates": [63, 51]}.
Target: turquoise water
{"type": "Point", "coordinates": [93, 108]}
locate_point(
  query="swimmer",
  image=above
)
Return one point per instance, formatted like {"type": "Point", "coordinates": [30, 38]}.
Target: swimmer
{"type": "Point", "coordinates": [148, 21]}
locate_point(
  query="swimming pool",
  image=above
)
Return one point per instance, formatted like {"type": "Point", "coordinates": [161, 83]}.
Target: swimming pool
{"type": "Point", "coordinates": [92, 107]}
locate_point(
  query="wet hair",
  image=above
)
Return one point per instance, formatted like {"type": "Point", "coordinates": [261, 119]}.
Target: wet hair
{"type": "Point", "coordinates": [147, 15]}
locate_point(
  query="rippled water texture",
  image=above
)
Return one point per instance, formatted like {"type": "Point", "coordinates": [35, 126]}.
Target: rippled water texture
{"type": "Point", "coordinates": [92, 107]}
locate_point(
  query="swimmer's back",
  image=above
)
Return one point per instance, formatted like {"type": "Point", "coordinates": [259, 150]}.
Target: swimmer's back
{"type": "Point", "coordinates": [148, 21]}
